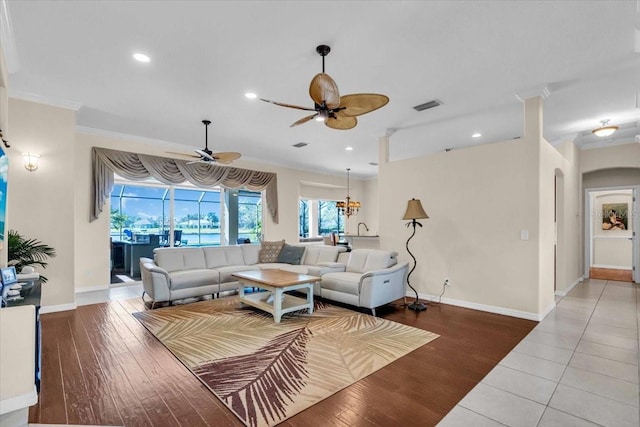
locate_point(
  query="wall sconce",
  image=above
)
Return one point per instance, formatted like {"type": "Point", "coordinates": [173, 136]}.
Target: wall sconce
{"type": "Point", "coordinates": [30, 161]}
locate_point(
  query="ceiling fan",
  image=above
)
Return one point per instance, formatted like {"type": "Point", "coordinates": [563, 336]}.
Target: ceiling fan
{"type": "Point", "coordinates": [337, 112]}
{"type": "Point", "coordinates": [207, 156]}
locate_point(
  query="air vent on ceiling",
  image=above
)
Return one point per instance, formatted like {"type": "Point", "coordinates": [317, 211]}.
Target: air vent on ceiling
{"type": "Point", "coordinates": [373, 163]}
{"type": "Point", "coordinates": [300, 144]}
{"type": "Point", "coordinates": [427, 105]}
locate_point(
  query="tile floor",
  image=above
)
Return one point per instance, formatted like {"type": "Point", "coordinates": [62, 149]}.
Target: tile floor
{"type": "Point", "coordinates": [114, 293]}
{"type": "Point", "coordinates": [578, 367]}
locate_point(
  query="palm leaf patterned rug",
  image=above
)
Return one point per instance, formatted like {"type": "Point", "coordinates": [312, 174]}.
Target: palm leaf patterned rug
{"type": "Point", "coordinates": [265, 372]}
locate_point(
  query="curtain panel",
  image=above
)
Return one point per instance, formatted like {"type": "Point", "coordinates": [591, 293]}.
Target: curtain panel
{"type": "Point", "coordinates": [137, 167]}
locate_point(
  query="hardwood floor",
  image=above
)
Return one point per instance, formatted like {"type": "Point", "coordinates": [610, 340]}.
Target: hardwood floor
{"type": "Point", "coordinates": [100, 366]}
{"type": "Point", "coordinates": [611, 274]}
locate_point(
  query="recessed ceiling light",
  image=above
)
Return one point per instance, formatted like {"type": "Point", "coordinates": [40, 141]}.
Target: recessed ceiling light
{"type": "Point", "coordinates": [476, 135]}
{"type": "Point", "coordinates": [251, 95]}
{"type": "Point", "coordinates": [141, 57]}
{"type": "Point", "coordinates": [349, 148]}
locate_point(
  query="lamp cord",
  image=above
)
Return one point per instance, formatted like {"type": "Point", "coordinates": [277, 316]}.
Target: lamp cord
{"type": "Point", "coordinates": [415, 262]}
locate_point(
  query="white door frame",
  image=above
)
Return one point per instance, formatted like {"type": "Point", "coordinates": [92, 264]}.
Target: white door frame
{"type": "Point", "coordinates": [588, 226]}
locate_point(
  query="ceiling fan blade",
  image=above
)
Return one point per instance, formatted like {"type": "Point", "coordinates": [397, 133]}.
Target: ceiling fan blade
{"type": "Point", "coordinates": [324, 90]}
{"type": "Point", "coordinates": [282, 104]}
{"type": "Point", "coordinates": [341, 122]}
{"type": "Point", "coordinates": [361, 103]}
{"type": "Point", "coordinates": [204, 155]}
{"type": "Point", "coordinates": [226, 157]}
{"type": "Point", "coordinates": [183, 154]}
{"type": "Point", "coordinates": [304, 120]}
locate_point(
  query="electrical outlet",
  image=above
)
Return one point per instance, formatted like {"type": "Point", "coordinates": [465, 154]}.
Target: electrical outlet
{"type": "Point", "coordinates": [447, 282]}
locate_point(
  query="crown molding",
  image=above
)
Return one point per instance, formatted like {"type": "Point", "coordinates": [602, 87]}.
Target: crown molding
{"type": "Point", "coordinates": [128, 137]}
{"type": "Point", "coordinates": [541, 91]}
{"type": "Point", "coordinates": [32, 97]}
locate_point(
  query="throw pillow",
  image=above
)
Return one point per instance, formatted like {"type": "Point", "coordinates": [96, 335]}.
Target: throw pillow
{"type": "Point", "coordinates": [291, 254]}
{"type": "Point", "coordinates": [269, 251]}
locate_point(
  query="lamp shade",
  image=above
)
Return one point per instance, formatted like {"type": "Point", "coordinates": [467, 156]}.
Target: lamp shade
{"type": "Point", "coordinates": [415, 210]}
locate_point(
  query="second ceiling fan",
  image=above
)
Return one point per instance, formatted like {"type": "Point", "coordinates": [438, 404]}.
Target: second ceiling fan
{"type": "Point", "coordinates": [337, 112]}
{"type": "Point", "coordinates": [207, 156]}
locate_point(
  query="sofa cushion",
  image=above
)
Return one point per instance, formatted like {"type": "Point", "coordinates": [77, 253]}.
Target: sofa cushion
{"type": "Point", "coordinates": [316, 254]}
{"type": "Point", "coordinates": [269, 251]}
{"type": "Point", "coordinates": [215, 256]}
{"type": "Point", "coordinates": [364, 260]}
{"type": "Point", "coordinates": [226, 272]}
{"type": "Point", "coordinates": [271, 266]}
{"type": "Point", "coordinates": [298, 269]}
{"type": "Point", "coordinates": [342, 282]}
{"type": "Point", "coordinates": [379, 260]}
{"type": "Point", "coordinates": [250, 253]}
{"type": "Point", "coordinates": [357, 260]}
{"type": "Point", "coordinates": [174, 259]}
{"type": "Point", "coordinates": [193, 278]}
{"type": "Point", "coordinates": [290, 254]}
{"type": "Point", "coordinates": [234, 255]}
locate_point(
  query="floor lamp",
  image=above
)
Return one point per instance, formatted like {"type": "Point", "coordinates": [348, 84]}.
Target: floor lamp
{"type": "Point", "coordinates": [414, 212]}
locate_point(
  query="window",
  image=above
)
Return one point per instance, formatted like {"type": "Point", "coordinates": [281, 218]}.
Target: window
{"type": "Point", "coordinates": [319, 218]}
{"type": "Point", "coordinates": [249, 215]}
{"type": "Point", "coordinates": [144, 208]}
{"type": "Point", "coordinates": [198, 219]}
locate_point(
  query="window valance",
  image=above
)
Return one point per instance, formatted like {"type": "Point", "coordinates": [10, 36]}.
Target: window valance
{"type": "Point", "coordinates": [137, 167]}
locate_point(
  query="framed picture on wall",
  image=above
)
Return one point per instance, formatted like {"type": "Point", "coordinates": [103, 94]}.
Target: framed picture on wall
{"type": "Point", "coordinates": [615, 216]}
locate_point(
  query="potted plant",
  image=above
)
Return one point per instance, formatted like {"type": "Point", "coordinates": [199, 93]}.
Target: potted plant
{"type": "Point", "coordinates": [23, 252]}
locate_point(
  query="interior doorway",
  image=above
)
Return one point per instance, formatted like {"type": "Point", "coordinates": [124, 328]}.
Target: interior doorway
{"type": "Point", "coordinates": [611, 224]}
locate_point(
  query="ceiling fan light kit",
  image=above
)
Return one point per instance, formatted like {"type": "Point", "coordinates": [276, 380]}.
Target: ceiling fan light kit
{"type": "Point", "coordinates": [337, 112]}
{"type": "Point", "coordinates": [605, 130]}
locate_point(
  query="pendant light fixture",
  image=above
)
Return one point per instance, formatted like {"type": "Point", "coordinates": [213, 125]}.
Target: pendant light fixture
{"type": "Point", "coordinates": [605, 130]}
{"type": "Point", "coordinates": [348, 207]}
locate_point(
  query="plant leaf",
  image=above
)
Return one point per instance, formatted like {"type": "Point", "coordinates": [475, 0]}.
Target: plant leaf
{"type": "Point", "coordinates": [261, 382]}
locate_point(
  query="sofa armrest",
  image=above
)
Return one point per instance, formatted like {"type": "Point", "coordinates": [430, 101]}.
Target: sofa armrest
{"type": "Point", "coordinates": [155, 280]}
{"type": "Point", "coordinates": [383, 286]}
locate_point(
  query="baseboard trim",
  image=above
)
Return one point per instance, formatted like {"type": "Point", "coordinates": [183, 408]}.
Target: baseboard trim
{"type": "Point", "coordinates": [59, 307]}
{"type": "Point", "coordinates": [483, 307]}
{"type": "Point", "coordinates": [19, 402]}
{"type": "Point", "coordinates": [570, 287]}
{"type": "Point", "coordinates": [548, 310]}
{"type": "Point", "coordinates": [92, 289]}
{"type": "Point", "coordinates": [612, 267]}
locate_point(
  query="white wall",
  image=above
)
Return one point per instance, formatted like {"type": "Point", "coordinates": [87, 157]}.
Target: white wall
{"type": "Point", "coordinates": [41, 204]}
{"type": "Point", "coordinates": [478, 199]}
{"type": "Point", "coordinates": [569, 255]}
{"type": "Point", "coordinates": [617, 156]}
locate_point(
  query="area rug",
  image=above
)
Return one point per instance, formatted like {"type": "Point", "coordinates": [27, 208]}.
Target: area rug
{"type": "Point", "coordinates": [265, 372]}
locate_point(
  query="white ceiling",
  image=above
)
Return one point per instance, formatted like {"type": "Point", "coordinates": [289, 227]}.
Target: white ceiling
{"type": "Point", "coordinates": [473, 56]}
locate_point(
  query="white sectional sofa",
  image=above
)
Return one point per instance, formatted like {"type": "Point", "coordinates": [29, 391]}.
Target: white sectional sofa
{"type": "Point", "coordinates": [363, 277]}
{"type": "Point", "coordinates": [177, 273]}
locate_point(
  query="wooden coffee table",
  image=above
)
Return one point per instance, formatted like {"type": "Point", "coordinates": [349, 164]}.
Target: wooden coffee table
{"type": "Point", "coordinates": [275, 283]}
